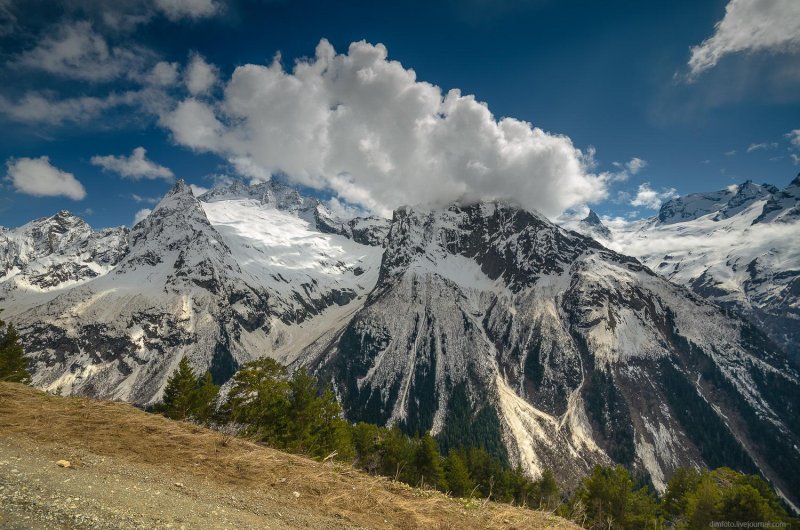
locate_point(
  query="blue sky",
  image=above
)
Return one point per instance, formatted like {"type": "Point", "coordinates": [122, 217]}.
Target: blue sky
{"type": "Point", "coordinates": [607, 82]}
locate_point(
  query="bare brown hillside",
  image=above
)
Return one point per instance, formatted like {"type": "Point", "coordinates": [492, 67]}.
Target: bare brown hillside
{"type": "Point", "coordinates": [129, 469]}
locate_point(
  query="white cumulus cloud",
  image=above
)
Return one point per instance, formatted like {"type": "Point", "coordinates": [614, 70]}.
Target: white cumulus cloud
{"type": "Point", "coordinates": [200, 76]}
{"type": "Point", "coordinates": [136, 166]}
{"type": "Point", "coordinates": [38, 177]}
{"type": "Point", "coordinates": [749, 26]}
{"type": "Point", "coordinates": [364, 127]}
{"type": "Point", "coordinates": [163, 74]}
{"type": "Point", "coordinates": [631, 167]}
{"type": "Point", "coordinates": [647, 197]}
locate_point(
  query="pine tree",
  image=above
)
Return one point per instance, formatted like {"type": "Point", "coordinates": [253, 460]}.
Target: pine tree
{"type": "Point", "coordinates": [548, 494]}
{"type": "Point", "coordinates": [259, 401]}
{"type": "Point", "coordinates": [397, 454]}
{"type": "Point", "coordinates": [457, 474]}
{"type": "Point", "coordinates": [13, 365]}
{"type": "Point", "coordinates": [485, 471]}
{"type": "Point", "coordinates": [205, 398]}
{"type": "Point", "coordinates": [332, 433]}
{"type": "Point", "coordinates": [703, 504]}
{"type": "Point", "coordinates": [304, 412]}
{"type": "Point", "coordinates": [367, 442]}
{"type": "Point", "coordinates": [674, 502]}
{"type": "Point", "coordinates": [605, 493]}
{"type": "Point", "coordinates": [179, 394]}
{"type": "Point", "coordinates": [743, 502]}
{"type": "Point", "coordinates": [428, 463]}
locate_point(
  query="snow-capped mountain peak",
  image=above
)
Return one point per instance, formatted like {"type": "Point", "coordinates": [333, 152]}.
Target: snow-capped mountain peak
{"type": "Point", "coordinates": [733, 246]}
{"type": "Point", "coordinates": [594, 226]}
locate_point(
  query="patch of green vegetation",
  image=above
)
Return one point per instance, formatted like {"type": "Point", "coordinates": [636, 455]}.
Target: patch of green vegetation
{"type": "Point", "coordinates": [13, 365]}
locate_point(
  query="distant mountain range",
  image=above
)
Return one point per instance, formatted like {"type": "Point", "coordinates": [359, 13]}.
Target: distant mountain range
{"type": "Point", "coordinates": [739, 247]}
{"type": "Point", "coordinates": [485, 324]}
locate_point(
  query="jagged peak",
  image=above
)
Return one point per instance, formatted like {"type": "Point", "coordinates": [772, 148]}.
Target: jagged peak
{"type": "Point", "coordinates": [63, 219]}
{"type": "Point", "coordinates": [592, 218]}
{"type": "Point", "coordinates": [180, 187]}
{"type": "Point", "coordinates": [179, 197]}
{"type": "Point", "coordinates": [594, 226]}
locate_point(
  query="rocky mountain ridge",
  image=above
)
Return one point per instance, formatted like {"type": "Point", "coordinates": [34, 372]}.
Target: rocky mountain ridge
{"type": "Point", "coordinates": [734, 247]}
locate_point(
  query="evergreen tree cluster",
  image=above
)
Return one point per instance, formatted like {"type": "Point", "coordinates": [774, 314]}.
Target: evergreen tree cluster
{"type": "Point", "coordinates": [610, 498]}
{"type": "Point", "coordinates": [13, 365]}
{"type": "Point", "coordinates": [293, 413]}
{"type": "Point", "coordinates": [189, 397]}
{"type": "Point", "coordinates": [472, 472]}
{"type": "Point", "coordinates": [288, 413]}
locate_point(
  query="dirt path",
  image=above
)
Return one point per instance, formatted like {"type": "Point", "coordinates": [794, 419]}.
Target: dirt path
{"type": "Point", "coordinates": [131, 470]}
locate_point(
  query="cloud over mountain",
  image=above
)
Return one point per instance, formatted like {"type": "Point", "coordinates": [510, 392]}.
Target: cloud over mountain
{"type": "Point", "coordinates": [364, 127]}
{"type": "Point", "coordinates": [647, 197]}
{"type": "Point", "coordinates": [136, 166]}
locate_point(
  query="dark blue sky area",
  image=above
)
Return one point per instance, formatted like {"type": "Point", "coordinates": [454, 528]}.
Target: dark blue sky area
{"type": "Point", "coordinates": [602, 73]}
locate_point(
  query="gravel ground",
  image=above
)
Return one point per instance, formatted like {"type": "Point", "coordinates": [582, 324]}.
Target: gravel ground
{"type": "Point", "coordinates": [103, 493]}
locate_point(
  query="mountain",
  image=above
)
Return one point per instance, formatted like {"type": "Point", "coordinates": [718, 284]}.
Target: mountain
{"type": "Point", "coordinates": [491, 325]}
{"type": "Point", "coordinates": [594, 227]}
{"type": "Point", "coordinates": [221, 282]}
{"type": "Point", "coordinates": [485, 324]}
{"type": "Point", "coordinates": [734, 247]}
{"type": "Point", "coordinates": [57, 251]}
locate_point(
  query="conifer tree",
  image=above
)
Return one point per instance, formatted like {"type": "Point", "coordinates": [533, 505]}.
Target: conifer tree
{"type": "Point", "coordinates": [548, 490]}
{"type": "Point", "coordinates": [397, 454]}
{"type": "Point", "coordinates": [333, 433]}
{"type": "Point", "coordinates": [205, 398]}
{"type": "Point", "coordinates": [13, 365]}
{"type": "Point", "coordinates": [259, 401]}
{"type": "Point", "coordinates": [457, 474]}
{"type": "Point", "coordinates": [304, 412]}
{"type": "Point", "coordinates": [703, 504]}
{"type": "Point", "coordinates": [674, 503]}
{"type": "Point", "coordinates": [367, 438]}
{"type": "Point", "coordinates": [179, 394]}
{"type": "Point", "coordinates": [428, 463]}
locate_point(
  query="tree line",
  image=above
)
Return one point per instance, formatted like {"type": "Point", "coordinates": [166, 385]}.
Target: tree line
{"type": "Point", "coordinates": [292, 413]}
{"type": "Point", "coordinates": [694, 499]}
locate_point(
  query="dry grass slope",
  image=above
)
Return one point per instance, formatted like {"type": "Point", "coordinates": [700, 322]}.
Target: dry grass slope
{"type": "Point", "coordinates": [329, 491]}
